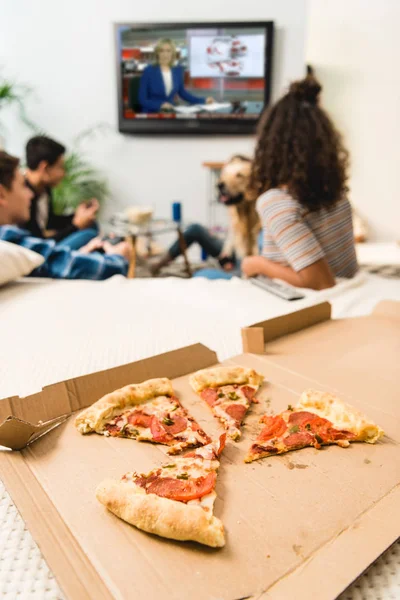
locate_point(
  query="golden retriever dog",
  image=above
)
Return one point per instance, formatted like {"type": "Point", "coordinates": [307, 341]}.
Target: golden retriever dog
{"type": "Point", "coordinates": [234, 193]}
{"type": "Point", "coordinates": [245, 225]}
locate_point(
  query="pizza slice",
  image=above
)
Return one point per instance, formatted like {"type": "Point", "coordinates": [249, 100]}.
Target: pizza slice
{"type": "Point", "coordinates": [229, 392]}
{"type": "Point", "coordinates": [318, 419]}
{"type": "Point", "coordinates": [146, 411]}
{"type": "Point", "coordinates": [174, 501]}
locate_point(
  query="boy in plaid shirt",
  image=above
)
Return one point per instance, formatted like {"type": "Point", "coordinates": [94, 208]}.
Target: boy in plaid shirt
{"type": "Point", "coordinates": [60, 261]}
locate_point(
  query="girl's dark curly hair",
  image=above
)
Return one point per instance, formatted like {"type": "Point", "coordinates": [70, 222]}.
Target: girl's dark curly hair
{"type": "Point", "coordinates": [299, 147]}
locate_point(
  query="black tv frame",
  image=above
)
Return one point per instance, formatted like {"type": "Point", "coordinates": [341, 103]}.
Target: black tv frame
{"type": "Point", "coordinates": [193, 126]}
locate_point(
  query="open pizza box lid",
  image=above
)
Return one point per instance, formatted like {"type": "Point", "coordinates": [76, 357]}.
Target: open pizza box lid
{"type": "Point", "coordinates": [301, 525]}
{"type": "Point", "coordinates": [24, 420]}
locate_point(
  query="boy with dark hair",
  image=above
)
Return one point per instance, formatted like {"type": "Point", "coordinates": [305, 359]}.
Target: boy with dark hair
{"type": "Point", "coordinates": [60, 261]}
{"type": "Point", "coordinates": [45, 170]}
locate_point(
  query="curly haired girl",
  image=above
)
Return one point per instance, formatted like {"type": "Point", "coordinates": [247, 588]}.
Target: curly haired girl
{"type": "Point", "coordinates": [299, 175]}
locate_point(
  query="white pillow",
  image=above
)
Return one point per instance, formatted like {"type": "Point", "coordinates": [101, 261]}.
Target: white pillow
{"type": "Point", "coordinates": [16, 261]}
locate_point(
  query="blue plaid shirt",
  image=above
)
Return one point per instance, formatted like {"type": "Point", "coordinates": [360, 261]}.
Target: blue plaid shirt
{"type": "Point", "coordinates": [63, 263]}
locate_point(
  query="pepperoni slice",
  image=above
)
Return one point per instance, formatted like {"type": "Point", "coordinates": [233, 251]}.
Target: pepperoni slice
{"type": "Point", "coordinates": [182, 490]}
{"type": "Point", "coordinates": [190, 455]}
{"type": "Point", "coordinates": [256, 449]}
{"type": "Point", "coordinates": [275, 426]}
{"type": "Point", "coordinates": [236, 411]}
{"type": "Point", "coordinates": [319, 426]}
{"type": "Point", "coordinates": [222, 442]}
{"type": "Point", "coordinates": [113, 429]}
{"type": "Point", "coordinates": [334, 435]}
{"type": "Point", "coordinates": [140, 418]}
{"type": "Point", "coordinates": [145, 481]}
{"type": "Point", "coordinates": [302, 418]}
{"type": "Point", "coordinates": [158, 432]}
{"type": "Point", "coordinates": [210, 395]}
{"type": "Point", "coordinates": [249, 392]}
{"type": "Point", "coordinates": [299, 440]}
{"type": "Point", "coordinates": [179, 424]}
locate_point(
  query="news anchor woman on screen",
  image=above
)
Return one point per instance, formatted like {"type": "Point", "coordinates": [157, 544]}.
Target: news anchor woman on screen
{"type": "Point", "coordinates": [162, 82]}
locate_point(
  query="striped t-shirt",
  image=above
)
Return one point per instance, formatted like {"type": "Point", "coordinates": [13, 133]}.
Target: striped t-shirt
{"type": "Point", "coordinates": [295, 237]}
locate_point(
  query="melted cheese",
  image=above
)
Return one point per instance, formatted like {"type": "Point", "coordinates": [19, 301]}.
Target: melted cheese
{"type": "Point", "coordinates": [342, 415]}
{"type": "Point", "coordinates": [158, 407]}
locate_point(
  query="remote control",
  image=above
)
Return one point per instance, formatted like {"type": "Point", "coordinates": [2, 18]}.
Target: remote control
{"type": "Point", "coordinates": [285, 291]}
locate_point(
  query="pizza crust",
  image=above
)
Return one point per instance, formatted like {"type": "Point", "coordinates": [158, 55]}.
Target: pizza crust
{"type": "Point", "coordinates": [94, 417]}
{"type": "Point", "coordinates": [161, 516]}
{"type": "Point", "coordinates": [342, 415]}
{"type": "Point", "coordinates": [218, 376]}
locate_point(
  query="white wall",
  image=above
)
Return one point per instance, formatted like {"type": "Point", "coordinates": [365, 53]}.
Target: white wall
{"type": "Point", "coordinates": [355, 48]}
{"type": "Point", "coordinates": [64, 50]}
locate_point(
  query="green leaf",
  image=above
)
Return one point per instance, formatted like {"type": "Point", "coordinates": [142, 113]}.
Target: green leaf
{"type": "Point", "coordinates": [169, 466]}
{"type": "Point", "coordinates": [12, 93]}
{"type": "Point", "coordinates": [294, 429]}
{"type": "Point", "coordinates": [81, 182]}
{"type": "Point", "coordinates": [168, 421]}
{"type": "Point", "coordinates": [183, 476]}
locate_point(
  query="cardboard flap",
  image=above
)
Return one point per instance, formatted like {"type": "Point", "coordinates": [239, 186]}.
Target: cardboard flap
{"type": "Point", "coordinates": [31, 416]}
{"type": "Point", "coordinates": [387, 308]}
{"type": "Point", "coordinates": [257, 335]}
{"type": "Point", "coordinates": [17, 434]}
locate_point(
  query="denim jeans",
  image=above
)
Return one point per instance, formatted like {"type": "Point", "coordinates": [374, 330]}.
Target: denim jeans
{"type": "Point", "coordinates": [77, 240]}
{"type": "Point", "coordinates": [197, 233]}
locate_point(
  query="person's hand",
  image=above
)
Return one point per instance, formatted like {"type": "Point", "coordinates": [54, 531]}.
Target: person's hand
{"type": "Point", "coordinates": [122, 249]}
{"type": "Point", "coordinates": [251, 266]}
{"type": "Point", "coordinates": [226, 262]}
{"type": "Point", "coordinates": [92, 203]}
{"type": "Point", "coordinates": [210, 100]}
{"type": "Point", "coordinates": [85, 215]}
{"type": "Point", "coordinates": [167, 106]}
{"type": "Point", "coordinates": [94, 244]}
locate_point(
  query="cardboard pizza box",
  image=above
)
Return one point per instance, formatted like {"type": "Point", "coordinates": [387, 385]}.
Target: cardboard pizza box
{"type": "Point", "coordinates": [301, 525]}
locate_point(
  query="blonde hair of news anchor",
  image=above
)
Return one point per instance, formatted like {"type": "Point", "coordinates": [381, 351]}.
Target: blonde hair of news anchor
{"type": "Point", "coordinates": [157, 49]}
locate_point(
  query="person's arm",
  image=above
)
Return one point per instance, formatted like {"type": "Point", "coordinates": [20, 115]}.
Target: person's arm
{"type": "Point", "coordinates": [64, 225]}
{"type": "Point", "coordinates": [317, 276]}
{"type": "Point", "coordinates": [145, 100]}
{"type": "Point", "coordinates": [185, 95]}
{"type": "Point", "coordinates": [61, 234]}
{"type": "Point", "coordinates": [63, 263]}
{"type": "Point", "coordinates": [307, 266]}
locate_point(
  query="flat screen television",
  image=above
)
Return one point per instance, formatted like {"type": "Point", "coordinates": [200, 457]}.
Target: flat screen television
{"type": "Point", "coordinates": [193, 77]}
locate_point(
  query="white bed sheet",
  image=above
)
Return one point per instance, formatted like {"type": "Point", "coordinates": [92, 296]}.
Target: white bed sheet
{"type": "Point", "coordinates": [53, 330]}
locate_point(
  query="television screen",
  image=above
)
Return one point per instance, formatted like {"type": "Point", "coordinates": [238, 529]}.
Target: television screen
{"type": "Point", "coordinates": [193, 78]}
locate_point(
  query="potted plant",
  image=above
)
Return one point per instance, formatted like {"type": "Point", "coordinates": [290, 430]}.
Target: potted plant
{"type": "Point", "coordinates": [14, 94]}
{"type": "Point", "coordinates": [81, 182]}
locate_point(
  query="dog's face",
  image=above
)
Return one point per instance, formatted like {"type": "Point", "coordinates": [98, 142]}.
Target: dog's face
{"type": "Point", "coordinates": [234, 181]}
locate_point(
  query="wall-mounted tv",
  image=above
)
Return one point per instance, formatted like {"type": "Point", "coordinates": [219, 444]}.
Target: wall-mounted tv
{"type": "Point", "coordinates": [193, 77]}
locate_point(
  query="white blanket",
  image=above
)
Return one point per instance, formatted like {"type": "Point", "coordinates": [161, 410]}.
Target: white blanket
{"type": "Point", "coordinates": [54, 330]}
